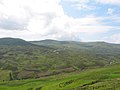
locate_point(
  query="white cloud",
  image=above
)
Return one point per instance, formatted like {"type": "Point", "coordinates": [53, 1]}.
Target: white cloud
{"type": "Point", "coordinates": [115, 19]}
{"type": "Point", "coordinates": [110, 11]}
{"type": "Point", "coordinates": [115, 38]}
{"type": "Point", "coordinates": [78, 1]}
{"type": "Point", "coordinates": [113, 2]}
{"type": "Point", "coordinates": [42, 19]}
{"type": "Point", "coordinates": [81, 4]}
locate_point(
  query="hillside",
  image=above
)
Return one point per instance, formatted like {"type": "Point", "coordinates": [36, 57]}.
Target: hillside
{"type": "Point", "coordinates": [107, 78]}
{"type": "Point", "coordinates": [20, 59]}
{"type": "Point", "coordinates": [98, 50]}
{"type": "Point", "coordinates": [95, 46]}
{"type": "Point", "coordinates": [13, 41]}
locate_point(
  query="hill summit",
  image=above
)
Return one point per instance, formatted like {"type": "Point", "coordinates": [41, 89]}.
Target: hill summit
{"type": "Point", "coordinates": [13, 41]}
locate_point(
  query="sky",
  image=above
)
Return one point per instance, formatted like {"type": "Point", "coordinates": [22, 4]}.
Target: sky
{"type": "Point", "coordinates": [68, 20]}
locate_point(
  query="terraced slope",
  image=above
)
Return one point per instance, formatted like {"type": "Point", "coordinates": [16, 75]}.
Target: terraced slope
{"type": "Point", "coordinates": [107, 78]}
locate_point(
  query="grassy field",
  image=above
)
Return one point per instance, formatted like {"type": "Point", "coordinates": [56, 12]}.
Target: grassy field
{"type": "Point", "coordinates": [107, 78]}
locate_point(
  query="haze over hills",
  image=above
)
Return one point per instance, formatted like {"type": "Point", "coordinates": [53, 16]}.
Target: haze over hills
{"type": "Point", "coordinates": [50, 42]}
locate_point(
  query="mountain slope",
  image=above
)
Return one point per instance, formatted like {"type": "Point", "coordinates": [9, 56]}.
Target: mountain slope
{"type": "Point", "coordinates": [97, 48]}
{"type": "Point", "coordinates": [51, 57]}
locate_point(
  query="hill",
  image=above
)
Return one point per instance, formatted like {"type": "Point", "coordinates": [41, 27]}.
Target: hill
{"type": "Point", "coordinates": [13, 41]}
{"type": "Point", "coordinates": [99, 50]}
{"type": "Point", "coordinates": [20, 59]}
{"type": "Point", "coordinates": [75, 44]}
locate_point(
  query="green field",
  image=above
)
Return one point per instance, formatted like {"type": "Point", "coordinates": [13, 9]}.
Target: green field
{"type": "Point", "coordinates": [107, 78]}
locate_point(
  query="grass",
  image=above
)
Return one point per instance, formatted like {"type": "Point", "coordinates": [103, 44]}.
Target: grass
{"type": "Point", "coordinates": [4, 75]}
{"type": "Point", "coordinates": [107, 78]}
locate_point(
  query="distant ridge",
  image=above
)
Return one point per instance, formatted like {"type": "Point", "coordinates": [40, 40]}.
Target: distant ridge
{"type": "Point", "coordinates": [56, 42]}
{"type": "Point", "coordinates": [13, 41]}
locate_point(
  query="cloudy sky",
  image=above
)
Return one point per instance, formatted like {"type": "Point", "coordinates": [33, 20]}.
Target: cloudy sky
{"type": "Point", "coordinates": [77, 20]}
